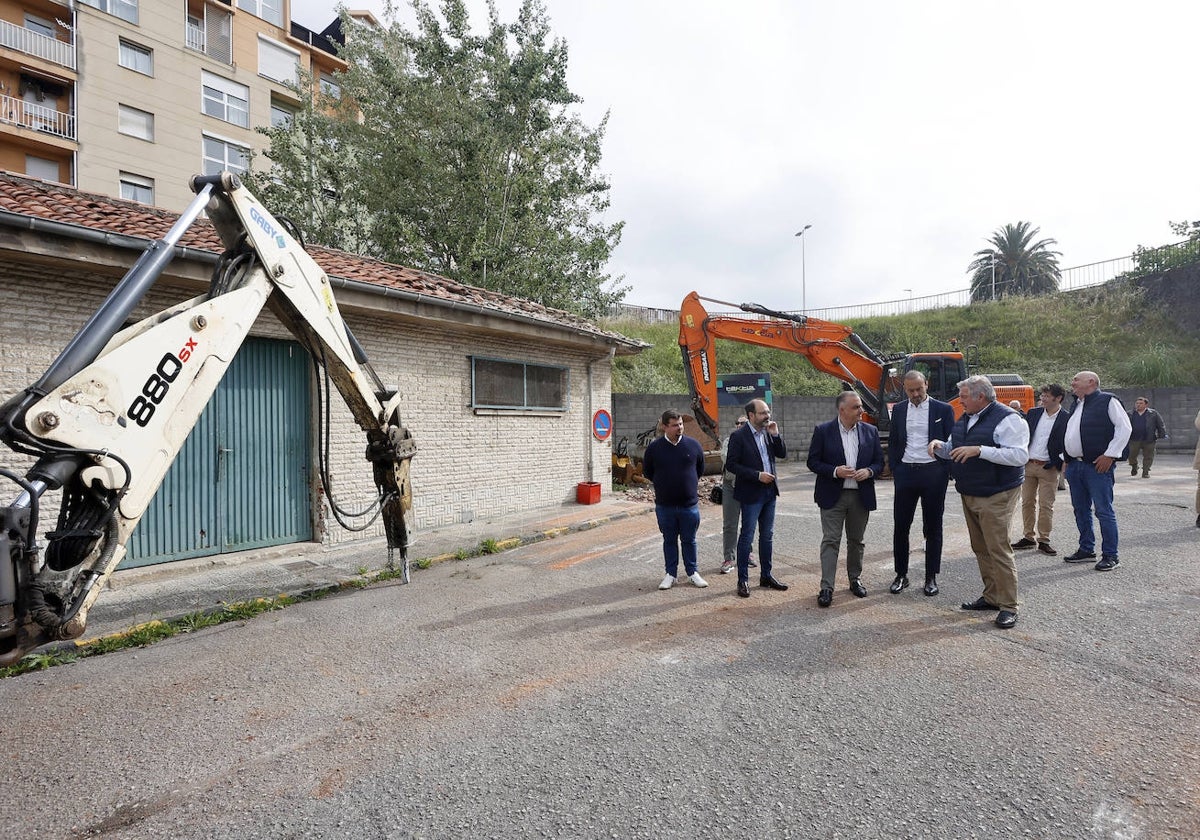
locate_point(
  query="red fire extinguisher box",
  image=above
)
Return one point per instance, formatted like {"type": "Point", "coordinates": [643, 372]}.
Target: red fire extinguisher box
{"type": "Point", "coordinates": [587, 492]}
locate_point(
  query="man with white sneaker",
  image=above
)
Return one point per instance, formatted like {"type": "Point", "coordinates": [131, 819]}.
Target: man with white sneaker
{"type": "Point", "coordinates": [674, 463]}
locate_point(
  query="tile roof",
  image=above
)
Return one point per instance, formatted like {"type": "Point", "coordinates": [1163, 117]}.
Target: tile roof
{"type": "Point", "coordinates": [58, 203]}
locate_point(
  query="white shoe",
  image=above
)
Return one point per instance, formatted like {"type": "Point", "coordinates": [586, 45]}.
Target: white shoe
{"type": "Point", "coordinates": [667, 583]}
{"type": "Point", "coordinates": [696, 580]}
{"type": "Point", "coordinates": [727, 567]}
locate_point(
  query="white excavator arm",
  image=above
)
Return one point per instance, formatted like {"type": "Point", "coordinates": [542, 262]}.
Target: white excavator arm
{"type": "Point", "coordinates": [107, 419]}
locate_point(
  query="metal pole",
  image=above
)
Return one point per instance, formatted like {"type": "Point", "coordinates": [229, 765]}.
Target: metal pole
{"type": "Point", "coordinates": [803, 272]}
{"type": "Point", "coordinates": [993, 277]}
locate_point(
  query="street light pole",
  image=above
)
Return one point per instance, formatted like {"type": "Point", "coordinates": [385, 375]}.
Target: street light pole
{"type": "Point", "coordinates": [803, 278]}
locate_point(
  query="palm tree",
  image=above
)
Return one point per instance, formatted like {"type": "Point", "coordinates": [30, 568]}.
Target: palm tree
{"type": "Point", "coordinates": [1021, 266]}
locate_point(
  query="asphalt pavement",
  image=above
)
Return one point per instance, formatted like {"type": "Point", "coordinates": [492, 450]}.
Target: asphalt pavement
{"type": "Point", "coordinates": [552, 690]}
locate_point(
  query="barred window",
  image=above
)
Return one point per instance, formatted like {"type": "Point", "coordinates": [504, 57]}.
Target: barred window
{"type": "Point", "coordinates": [505, 383]}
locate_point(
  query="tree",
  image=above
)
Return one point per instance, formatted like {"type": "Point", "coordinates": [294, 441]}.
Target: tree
{"type": "Point", "coordinates": [1161, 258]}
{"type": "Point", "coordinates": [314, 180]}
{"type": "Point", "coordinates": [1021, 266]}
{"type": "Point", "coordinates": [463, 157]}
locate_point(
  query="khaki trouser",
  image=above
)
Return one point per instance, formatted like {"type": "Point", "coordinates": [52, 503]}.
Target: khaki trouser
{"type": "Point", "coordinates": [988, 519]}
{"type": "Point", "coordinates": [1037, 495]}
{"type": "Point", "coordinates": [849, 514]}
{"type": "Point", "coordinates": [1145, 448]}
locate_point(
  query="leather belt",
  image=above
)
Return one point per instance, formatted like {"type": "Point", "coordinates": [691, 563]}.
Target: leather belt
{"type": "Point", "coordinates": [1036, 461]}
{"type": "Point", "coordinates": [921, 464]}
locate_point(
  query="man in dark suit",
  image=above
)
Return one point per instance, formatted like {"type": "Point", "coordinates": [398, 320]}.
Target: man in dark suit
{"type": "Point", "coordinates": [751, 458]}
{"type": "Point", "coordinates": [846, 456]}
{"type": "Point", "coordinates": [1047, 428]}
{"type": "Point", "coordinates": [918, 477]}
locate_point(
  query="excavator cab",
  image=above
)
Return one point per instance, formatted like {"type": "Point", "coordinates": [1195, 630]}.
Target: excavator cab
{"type": "Point", "coordinates": [943, 372]}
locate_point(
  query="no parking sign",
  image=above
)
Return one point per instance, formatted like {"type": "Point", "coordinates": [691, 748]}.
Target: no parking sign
{"type": "Point", "coordinates": [602, 424]}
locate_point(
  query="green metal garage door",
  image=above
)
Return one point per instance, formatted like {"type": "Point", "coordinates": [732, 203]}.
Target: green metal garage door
{"type": "Point", "coordinates": [241, 480]}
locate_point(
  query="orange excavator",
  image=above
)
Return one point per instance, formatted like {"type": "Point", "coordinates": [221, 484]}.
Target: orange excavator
{"type": "Point", "coordinates": [831, 348]}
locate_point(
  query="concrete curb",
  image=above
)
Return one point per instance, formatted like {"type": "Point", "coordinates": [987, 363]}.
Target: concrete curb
{"type": "Point", "coordinates": [340, 584]}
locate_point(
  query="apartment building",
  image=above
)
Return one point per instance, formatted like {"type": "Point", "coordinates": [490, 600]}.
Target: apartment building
{"type": "Point", "coordinates": [130, 98]}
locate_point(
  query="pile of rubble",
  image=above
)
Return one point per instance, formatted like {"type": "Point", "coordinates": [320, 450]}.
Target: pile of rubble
{"type": "Point", "coordinates": [645, 492]}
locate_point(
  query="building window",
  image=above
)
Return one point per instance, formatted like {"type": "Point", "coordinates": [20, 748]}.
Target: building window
{"type": "Point", "coordinates": [269, 10]}
{"type": "Point", "coordinates": [330, 86]}
{"type": "Point", "coordinates": [277, 62]}
{"type": "Point", "coordinates": [225, 100]}
{"type": "Point", "coordinates": [136, 188]}
{"type": "Point", "coordinates": [135, 122]}
{"type": "Point", "coordinates": [36, 167]}
{"type": "Point", "coordinates": [136, 57]}
{"type": "Point", "coordinates": [221, 155]}
{"type": "Point", "coordinates": [503, 383]}
{"type": "Point", "coordinates": [281, 115]}
{"type": "Point", "coordinates": [39, 25]}
{"type": "Point", "coordinates": [124, 9]}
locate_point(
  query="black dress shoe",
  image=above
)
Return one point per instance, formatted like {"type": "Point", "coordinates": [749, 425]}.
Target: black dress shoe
{"type": "Point", "coordinates": [743, 589]}
{"type": "Point", "coordinates": [857, 589]}
{"type": "Point", "coordinates": [771, 583]}
{"type": "Point", "coordinates": [1024, 542]}
{"type": "Point", "coordinates": [825, 598]}
{"type": "Point", "coordinates": [1047, 549]}
{"type": "Point", "coordinates": [931, 587]}
{"type": "Point", "coordinates": [898, 585]}
{"type": "Point", "coordinates": [979, 604]}
{"type": "Point", "coordinates": [1080, 556]}
{"type": "Point", "coordinates": [1006, 619]}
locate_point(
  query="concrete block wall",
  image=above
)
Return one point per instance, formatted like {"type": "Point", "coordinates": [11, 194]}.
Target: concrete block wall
{"type": "Point", "coordinates": [796, 416]}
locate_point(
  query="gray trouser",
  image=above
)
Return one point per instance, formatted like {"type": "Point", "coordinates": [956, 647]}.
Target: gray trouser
{"type": "Point", "coordinates": [850, 514]}
{"type": "Point", "coordinates": [1145, 448]}
{"type": "Point", "coordinates": [731, 512]}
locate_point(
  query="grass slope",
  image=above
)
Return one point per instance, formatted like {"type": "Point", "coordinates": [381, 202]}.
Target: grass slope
{"type": "Point", "coordinates": [1109, 329]}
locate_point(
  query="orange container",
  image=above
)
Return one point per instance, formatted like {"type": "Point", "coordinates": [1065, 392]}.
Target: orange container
{"type": "Point", "coordinates": [587, 492]}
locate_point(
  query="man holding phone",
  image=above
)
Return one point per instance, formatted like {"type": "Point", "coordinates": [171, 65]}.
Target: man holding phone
{"type": "Point", "coordinates": [751, 458]}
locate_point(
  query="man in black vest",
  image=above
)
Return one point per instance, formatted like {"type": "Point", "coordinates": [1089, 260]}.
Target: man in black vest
{"type": "Point", "coordinates": [989, 447]}
{"type": "Point", "coordinates": [1096, 434]}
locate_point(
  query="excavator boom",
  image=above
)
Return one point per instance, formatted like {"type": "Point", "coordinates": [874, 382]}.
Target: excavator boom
{"type": "Point", "coordinates": [831, 348]}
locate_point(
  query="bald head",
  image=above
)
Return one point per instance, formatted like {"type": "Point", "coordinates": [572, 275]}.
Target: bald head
{"type": "Point", "coordinates": [1085, 382]}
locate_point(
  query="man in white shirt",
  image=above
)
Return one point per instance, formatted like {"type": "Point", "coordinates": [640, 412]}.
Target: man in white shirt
{"type": "Point", "coordinates": [989, 447]}
{"type": "Point", "coordinates": [1047, 425]}
{"type": "Point", "coordinates": [1096, 434]}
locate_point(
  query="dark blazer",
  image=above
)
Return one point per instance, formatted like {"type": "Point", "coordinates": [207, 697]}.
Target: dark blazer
{"type": "Point", "coordinates": [825, 454]}
{"type": "Point", "coordinates": [1058, 434]}
{"type": "Point", "coordinates": [941, 423]}
{"type": "Point", "coordinates": [742, 459]}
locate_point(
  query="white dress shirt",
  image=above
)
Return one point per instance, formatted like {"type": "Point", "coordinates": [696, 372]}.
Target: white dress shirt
{"type": "Point", "coordinates": [850, 447]}
{"type": "Point", "coordinates": [1039, 444]}
{"type": "Point", "coordinates": [916, 429]}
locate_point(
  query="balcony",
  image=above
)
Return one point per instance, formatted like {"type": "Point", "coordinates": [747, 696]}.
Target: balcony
{"type": "Point", "coordinates": [14, 111]}
{"type": "Point", "coordinates": [195, 37]}
{"type": "Point", "coordinates": [37, 45]}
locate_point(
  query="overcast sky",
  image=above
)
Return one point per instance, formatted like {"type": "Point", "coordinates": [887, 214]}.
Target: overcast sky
{"type": "Point", "coordinates": [905, 133]}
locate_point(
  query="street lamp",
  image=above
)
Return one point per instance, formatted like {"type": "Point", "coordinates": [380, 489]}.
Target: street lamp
{"type": "Point", "coordinates": [803, 279]}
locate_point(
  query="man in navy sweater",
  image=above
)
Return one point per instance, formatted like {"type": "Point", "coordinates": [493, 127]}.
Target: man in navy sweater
{"type": "Point", "coordinates": [675, 463]}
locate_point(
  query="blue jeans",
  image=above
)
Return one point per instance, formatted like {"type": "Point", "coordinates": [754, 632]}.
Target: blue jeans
{"type": "Point", "coordinates": [678, 526]}
{"type": "Point", "coordinates": [759, 515]}
{"type": "Point", "coordinates": [1090, 488]}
